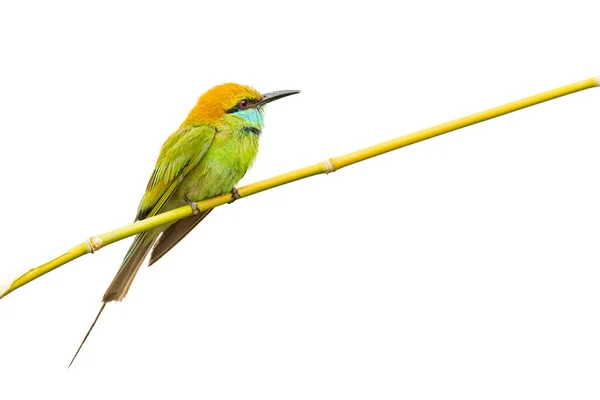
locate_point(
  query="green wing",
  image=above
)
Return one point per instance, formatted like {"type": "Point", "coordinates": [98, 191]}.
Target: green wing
{"type": "Point", "coordinates": [179, 155]}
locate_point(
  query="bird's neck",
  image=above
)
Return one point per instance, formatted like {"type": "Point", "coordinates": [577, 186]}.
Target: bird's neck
{"type": "Point", "coordinates": [247, 122]}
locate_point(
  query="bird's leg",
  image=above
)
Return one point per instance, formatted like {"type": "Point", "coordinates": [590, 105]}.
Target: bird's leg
{"type": "Point", "coordinates": [194, 205]}
{"type": "Point", "coordinates": [234, 195]}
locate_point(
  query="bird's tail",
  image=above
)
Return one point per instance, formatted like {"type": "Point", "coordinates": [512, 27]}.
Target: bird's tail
{"type": "Point", "coordinates": [120, 285]}
{"type": "Point", "coordinates": [173, 235]}
{"type": "Point", "coordinates": [131, 264]}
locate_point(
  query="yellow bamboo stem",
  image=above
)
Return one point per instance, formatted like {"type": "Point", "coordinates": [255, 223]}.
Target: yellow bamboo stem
{"type": "Point", "coordinates": [333, 164]}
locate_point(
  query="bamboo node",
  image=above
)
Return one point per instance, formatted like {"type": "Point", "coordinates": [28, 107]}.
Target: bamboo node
{"type": "Point", "coordinates": [94, 243]}
{"type": "Point", "coordinates": [329, 168]}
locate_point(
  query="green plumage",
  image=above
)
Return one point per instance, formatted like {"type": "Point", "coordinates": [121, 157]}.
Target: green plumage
{"type": "Point", "coordinates": [195, 163]}
{"type": "Point", "coordinates": [206, 157]}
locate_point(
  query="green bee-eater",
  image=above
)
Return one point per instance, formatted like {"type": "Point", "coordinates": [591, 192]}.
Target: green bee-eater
{"type": "Point", "coordinates": [207, 156]}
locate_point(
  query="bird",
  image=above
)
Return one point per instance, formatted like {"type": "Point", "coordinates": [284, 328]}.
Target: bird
{"type": "Point", "coordinates": [206, 157]}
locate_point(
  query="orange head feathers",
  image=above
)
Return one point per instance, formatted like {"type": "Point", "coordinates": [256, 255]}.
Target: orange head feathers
{"type": "Point", "coordinates": [215, 103]}
{"type": "Point", "coordinates": [232, 99]}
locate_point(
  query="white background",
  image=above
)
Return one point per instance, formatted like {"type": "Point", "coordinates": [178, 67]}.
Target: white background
{"type": "Point", "coordinates": [463, 267]}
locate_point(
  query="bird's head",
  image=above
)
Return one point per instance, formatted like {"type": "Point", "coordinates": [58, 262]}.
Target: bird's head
{"type": "Point", "coordinates": [234, 103]}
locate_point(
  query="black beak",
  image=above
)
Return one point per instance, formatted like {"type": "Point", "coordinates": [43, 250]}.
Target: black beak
{"type": "Point", "coordinates": [272, 96]}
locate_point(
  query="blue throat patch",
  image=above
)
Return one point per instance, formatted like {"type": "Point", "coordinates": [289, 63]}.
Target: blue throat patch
{"type": "Point", "coordinates": [253, 115]}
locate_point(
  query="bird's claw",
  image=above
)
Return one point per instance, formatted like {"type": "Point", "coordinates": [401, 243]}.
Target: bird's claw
{"type": "Point", "coordinates": [234, 195]}
{"type": "Point", "coordinates": [194, 205]}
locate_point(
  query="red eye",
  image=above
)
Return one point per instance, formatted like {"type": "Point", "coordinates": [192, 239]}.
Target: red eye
{"type": "Point", "coordinates": [243, 104]}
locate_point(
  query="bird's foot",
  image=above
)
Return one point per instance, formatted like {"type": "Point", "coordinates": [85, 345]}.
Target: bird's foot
{"type": "Point", "coordinates": [194, 205]}
{"type": "Point", "coordinates": [234, 195]}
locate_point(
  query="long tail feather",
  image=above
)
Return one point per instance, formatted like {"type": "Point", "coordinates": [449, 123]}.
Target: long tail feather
{"type": "Point", "coordinates": [87, 334]}
{"type": "Point", "coordinates": [120, 285]}
{"type": "Point", "coordinates": [173, 235]}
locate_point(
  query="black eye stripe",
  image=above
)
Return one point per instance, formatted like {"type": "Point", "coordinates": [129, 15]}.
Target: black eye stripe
{"type": "Point", "coordinates": [237, 107]}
